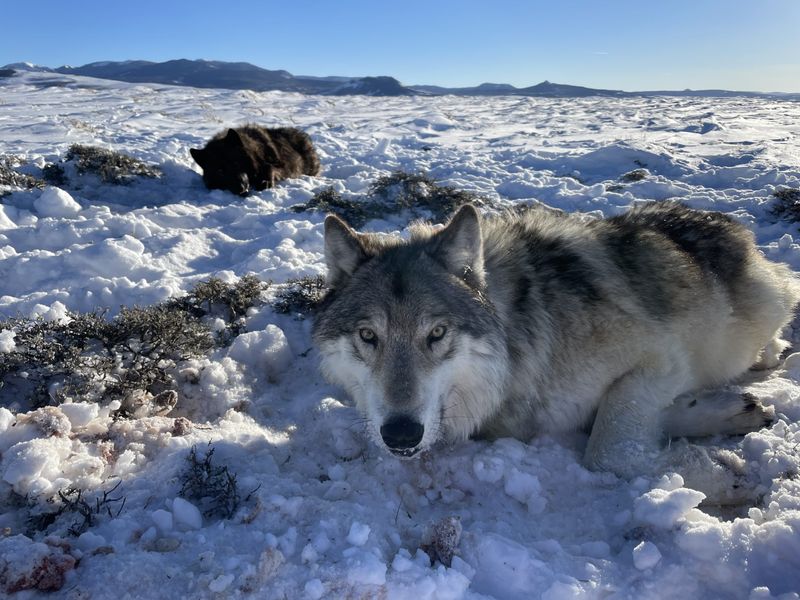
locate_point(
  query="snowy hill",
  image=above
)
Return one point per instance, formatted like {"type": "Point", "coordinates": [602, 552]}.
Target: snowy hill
{"type": "Point", "coordinates": [232, 75]}
{"type": "Point", "coordinates": [484, 89]}
{"type": "Point", "coordinates": [556, 90]}
{"type": "Point", "coordinates": [26, 66]}
{"type": "Point", "coordinates": [372, 86]}
{"type": "Point", "coordinates": [195, 73]}
{"type": "Point", "coordinates": [322, 512]}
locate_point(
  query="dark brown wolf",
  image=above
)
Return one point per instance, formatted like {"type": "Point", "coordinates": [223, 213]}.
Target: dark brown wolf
{"type": "Point", "coordinates": [253, 157]}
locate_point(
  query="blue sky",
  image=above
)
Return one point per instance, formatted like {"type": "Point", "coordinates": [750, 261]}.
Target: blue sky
{"type": "Point", "coordinates": [619, 44]}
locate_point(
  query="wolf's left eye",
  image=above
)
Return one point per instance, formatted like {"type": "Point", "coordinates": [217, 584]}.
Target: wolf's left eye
{"type": "Point", "coordinates": [367, 335]}
{"type": "Point", "coordinates": [437, 333]}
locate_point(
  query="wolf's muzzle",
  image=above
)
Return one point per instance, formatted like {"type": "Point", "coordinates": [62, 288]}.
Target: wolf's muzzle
{"type": "Point", "coordinates": [402, 434]}
{"type": "Point", "coordinates": [243, 184]}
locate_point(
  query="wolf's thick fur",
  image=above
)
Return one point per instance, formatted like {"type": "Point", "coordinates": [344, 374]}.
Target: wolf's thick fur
{"type": "Point", "coordinates": [519, 325]}
{"type": "Point", "coordinates": [253, 157]}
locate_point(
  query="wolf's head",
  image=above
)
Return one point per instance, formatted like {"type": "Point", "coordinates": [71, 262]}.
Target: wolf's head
{"type": "Point", "coordinates": [226, 163]}
{"type": "Point", "coordinates": [408, 331]}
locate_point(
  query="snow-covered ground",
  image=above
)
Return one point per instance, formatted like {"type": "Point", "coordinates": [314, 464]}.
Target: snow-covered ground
{"type": "Point", "coordinates": [333, 517]}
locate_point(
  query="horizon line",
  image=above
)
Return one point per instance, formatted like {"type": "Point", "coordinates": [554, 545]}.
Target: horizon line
{"type": "Point", "coordinates": [412, 85]}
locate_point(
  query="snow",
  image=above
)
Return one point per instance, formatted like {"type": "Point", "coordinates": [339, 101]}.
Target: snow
{"type": "Point", "coordinates": [524, 488]}
{"type": "Point", "coordinates": [186, 514]}
{"type": "Point", "coordinates": [314, 589]}
{"type": "Point", "coordinates": [33, 466]}
{"type": "Point", "coordinates": [265, 351]}
{"type": "Point", "coordinates": [7, 341]}
{"type": "Point", "coordinates": [88, 541]}
{"type": "Point", "coordinates": [358, 535]}
{"type": "Point", "coordinates": [646, 555]}
{"type": "Point", "coordinates": [328, 514]}
{"type": "Point", "coordinates": [80, 414]}
{"type": "Point", "coordinates": [221, 583]}
{"type": "Point", "coordinates": [55, 202]}
{"type": "Point", "coordinates": [162, 519]}
{"type": "Point", "coordinates": [666, 504]}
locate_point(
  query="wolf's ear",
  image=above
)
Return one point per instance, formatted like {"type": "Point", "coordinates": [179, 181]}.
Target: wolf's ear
{"type": "Point", "coordinates": [459, 246]}
{"type": "Point", "coordinates": [343, 250]}
{"type": "Point", "coordinates": [233, 137]}
{"type": "Point", "coordinates": [198, 154]}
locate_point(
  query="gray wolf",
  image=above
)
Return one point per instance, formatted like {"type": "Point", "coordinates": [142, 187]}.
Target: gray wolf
{"type": "Point", "coordinates": [544, 322]}
{"type": "Point", "coordinates": [253, 157]}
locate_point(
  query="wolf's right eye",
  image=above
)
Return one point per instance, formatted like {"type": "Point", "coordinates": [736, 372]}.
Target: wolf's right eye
{"type": "Point", "coordinates": [437, 333]}
{"type": "Point", "coordinates": [367, 335]}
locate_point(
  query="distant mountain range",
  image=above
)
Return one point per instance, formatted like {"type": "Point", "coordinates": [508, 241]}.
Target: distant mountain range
{"type": "Point", "coordinates": [242, 75]}
{"type": "Point", "coordinates": [544, 89]}
{"type": "Point", "coordinates": [227, 75]}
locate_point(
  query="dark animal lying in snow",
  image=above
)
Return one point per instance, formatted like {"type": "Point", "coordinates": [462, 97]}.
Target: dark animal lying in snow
{"type": "Point", "coordinates": [253, 157]}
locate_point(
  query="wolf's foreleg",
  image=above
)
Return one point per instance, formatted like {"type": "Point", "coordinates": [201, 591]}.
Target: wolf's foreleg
{"type": "Point", "coordinates": [627, 431]}
{"type": "Point", "coordinates": [627, 436]}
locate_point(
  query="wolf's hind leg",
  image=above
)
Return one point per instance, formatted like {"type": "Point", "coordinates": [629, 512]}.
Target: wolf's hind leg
{"type": "Point", "coordinates": [722, 475]}
{"type": "Point", "coordinates": [725, 411]}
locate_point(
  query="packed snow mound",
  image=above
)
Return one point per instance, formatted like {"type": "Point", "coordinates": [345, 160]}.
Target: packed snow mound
{"type": "Point", "coordinates": [266, 351]}
{"type": "Point", "coordinates": [6, 222]}
{"type": "Point", "coordinates": [317, 510]}
{"type": "Point", "coordinates": [55, 202]}
{"type": "Point", "coordinates": [7, 340]}
{"type": "Point", "coordinates": [608, 162]}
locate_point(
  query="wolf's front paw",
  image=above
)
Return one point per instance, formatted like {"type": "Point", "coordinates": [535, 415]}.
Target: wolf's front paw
{"type": "Point", "coordinates": [752, 416]}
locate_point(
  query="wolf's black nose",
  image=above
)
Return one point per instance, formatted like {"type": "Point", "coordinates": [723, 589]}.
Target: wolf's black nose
{"type": "Point", "coordinates": [402, 433]}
